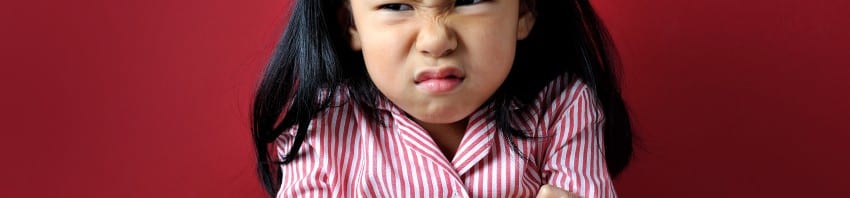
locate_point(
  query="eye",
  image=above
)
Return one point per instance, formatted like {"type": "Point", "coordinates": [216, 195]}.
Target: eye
{"type": "Point", "coordinates": [396, 7]}
{"type": "Point", "coordinates": [466, 2]}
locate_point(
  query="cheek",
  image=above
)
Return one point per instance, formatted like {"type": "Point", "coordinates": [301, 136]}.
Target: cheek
{"type": "Point", "coordinates": [383, 74]}
{"type": "Point", "coordinates": [492, 61]}
{"type": "Point", "coordinates": [386, 71]}
{"type": "Point", "coordinates": [382, 49]}
{"type": "Point", "coordinates": [490, 42]}
{"type": "Point", "coordinates": [384, 53]}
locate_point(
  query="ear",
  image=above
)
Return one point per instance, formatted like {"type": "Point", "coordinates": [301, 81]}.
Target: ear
{"type": "Point", "coordinates": [524, 25]}
{"type": "Point", "coordinates": [354, 38]}
{"type": "Point", "coordinates": [347, 19]}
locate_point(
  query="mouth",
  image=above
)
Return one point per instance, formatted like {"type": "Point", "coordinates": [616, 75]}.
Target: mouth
{"type": "Point", "coordinates": [440, 80]}
{"type": "Point", "coordinates": [444, 73]}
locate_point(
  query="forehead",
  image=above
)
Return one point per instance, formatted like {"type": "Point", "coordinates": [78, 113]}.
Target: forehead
{"type": "Point", "coordinates": [430, 2]}
{"type": "Point", "coordinates": [419, 2]}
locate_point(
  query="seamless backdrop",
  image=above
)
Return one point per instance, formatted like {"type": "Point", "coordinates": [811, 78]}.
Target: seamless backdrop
{"type": "Point", "coordinates": [134, 98]}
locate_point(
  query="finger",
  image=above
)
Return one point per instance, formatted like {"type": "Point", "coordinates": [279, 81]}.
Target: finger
{"type": "Point", "coordinates": [549, 191]}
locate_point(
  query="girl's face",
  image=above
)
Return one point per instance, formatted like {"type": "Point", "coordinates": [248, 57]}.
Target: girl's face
{"type": "Point", "coordinates": [438, 60]}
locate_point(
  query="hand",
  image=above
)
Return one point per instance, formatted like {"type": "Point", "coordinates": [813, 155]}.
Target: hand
{"type": "Point", "coordinates": [549, 191]}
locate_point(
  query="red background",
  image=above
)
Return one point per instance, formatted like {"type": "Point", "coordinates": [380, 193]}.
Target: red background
{"type": "Point", "coordinates": [150, 98]}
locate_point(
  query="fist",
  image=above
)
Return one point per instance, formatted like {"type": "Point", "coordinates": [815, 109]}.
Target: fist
{"type": "Point", "coordinates": [549, 191]}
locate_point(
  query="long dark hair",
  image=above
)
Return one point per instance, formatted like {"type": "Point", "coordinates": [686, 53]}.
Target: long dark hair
{"type": "Point", "coordinates": [313, 58]}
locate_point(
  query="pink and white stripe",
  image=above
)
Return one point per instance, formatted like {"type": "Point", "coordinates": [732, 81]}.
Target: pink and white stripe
{"type": "Point", "coordinates": [347, 156]}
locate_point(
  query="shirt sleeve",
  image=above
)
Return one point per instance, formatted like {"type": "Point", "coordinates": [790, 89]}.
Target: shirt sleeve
{"type": "Point", "coordinates": [306, 176]}
{"type": "Point", "coordinates": [575, 160]}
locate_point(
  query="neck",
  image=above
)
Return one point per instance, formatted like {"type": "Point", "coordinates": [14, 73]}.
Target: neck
{"type": "Point", "coordinates": [447, 136]}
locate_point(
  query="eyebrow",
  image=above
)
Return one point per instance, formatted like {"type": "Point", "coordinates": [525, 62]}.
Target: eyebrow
{"type": "Point", "coordinates": [420, 2]}
{"type": "Point", "coordinates": [438, 1]}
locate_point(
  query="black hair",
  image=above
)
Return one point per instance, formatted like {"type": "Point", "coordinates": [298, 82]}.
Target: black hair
{"type": "Point", "coordinates": [313, 58]}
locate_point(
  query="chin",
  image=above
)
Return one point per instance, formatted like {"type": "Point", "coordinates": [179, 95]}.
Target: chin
{"type": "Point", "coordinates": [442, 117]}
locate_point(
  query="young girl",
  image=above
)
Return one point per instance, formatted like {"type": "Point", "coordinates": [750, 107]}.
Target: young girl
{"type": "Point", "coordinates": [441, 98]}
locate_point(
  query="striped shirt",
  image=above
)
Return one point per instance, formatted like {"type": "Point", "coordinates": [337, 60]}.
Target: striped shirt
{"type": "Point", "coordinates": [345, 155]}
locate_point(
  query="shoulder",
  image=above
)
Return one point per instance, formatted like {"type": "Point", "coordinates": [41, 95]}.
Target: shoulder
{"type": "Point", "coordinates": [565, 97]}
{"type": "Point", "coordinates": [563, 90]}
{"type": "Point", "coordinates": [340, 117]}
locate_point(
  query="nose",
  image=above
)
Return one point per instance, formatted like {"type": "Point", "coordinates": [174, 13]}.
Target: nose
{"type": "Point", "coordinates": [436, 39]}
